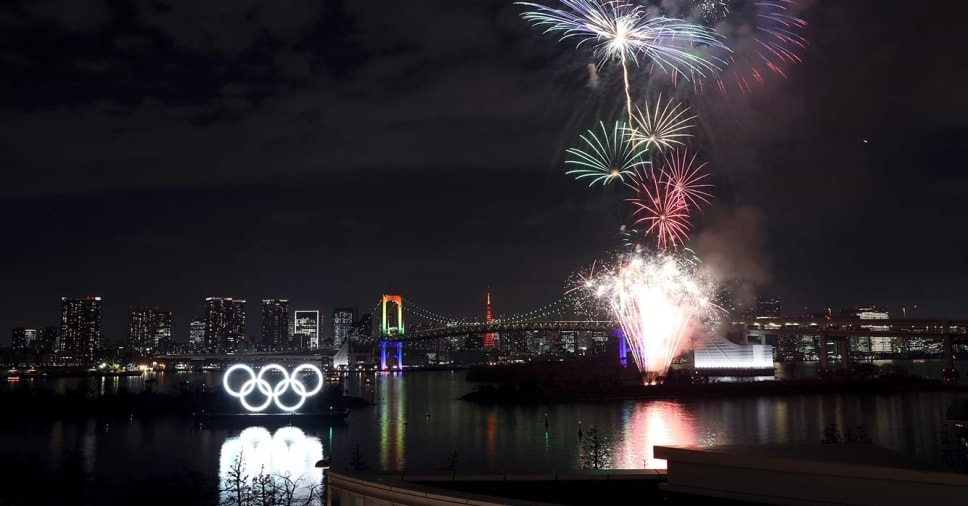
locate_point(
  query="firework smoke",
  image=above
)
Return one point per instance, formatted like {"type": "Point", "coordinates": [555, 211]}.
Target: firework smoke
{"type": "Point", "coordinates": [733, 248]}
{"type": "Point", "coordinates": [593, 79]}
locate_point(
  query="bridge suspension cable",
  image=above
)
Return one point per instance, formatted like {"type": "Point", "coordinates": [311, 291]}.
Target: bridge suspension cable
{"type": "Point", "coordinates": [566, 302]}
{"type": "Point", "coordinates": [416, 309]}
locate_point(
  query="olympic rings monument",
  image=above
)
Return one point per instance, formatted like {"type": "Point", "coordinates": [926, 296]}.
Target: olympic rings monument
{"type": "Point", "coordinates": [272, 391]}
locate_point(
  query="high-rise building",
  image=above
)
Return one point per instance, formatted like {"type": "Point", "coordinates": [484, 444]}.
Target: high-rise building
{"type": "Point", "coordinates": [306, 329]}
{"type": "Point", "coordinates": [768, 307]}
{"type": "Point", "coordinates": [24, 339]}
{"type": "Point", "coordinates": [275, 323]}
{"type": "Point", "coordinates": [873, 344]}
{"type": "Point", "coordinates": [162, 337]}
{"type": "Point", "coordinates": [47, 338]}
{"type": "Point", "coordinates": [80, 334]}
{"type": "Point", "coordinates": [196, 334]}
{"type": "Point", "coordinates": [224, 324]}
{"type": "Point", "coordinates": [141, 330]}
{"type": "Point", "coordinates": [149, 331]}
{"type": "Point", "coordinates": [343, 319]}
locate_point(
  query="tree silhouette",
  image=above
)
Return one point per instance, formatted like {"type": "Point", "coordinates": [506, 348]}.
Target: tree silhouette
{"type": "Point", "coordinates": [265, 489]}
{"type": "Point", "coordinates": [451, 463]}
{"type": "Point", "coordinates": [356, 461]}
{"type": "Point", "coordinates": [595, 451]}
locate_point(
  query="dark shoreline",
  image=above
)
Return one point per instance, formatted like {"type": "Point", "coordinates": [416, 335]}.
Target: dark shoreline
{"type": "Point", "coordinates": [47, 406]}
{"type": "Point", "coordinates": [518, 395]}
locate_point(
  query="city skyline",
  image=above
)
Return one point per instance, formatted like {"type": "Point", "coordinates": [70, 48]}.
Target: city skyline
{"type": "Point", "coordinates": [256, 161]}
{"type": "Point", "coordinates": [178, 330]}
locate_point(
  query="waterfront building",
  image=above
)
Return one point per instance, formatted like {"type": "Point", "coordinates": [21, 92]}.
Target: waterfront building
{"type": "Point", "coordinates": [306, 329]}
{"type": "Point", "coordinates": [196, 334]}
{"type": "Point", "coordinates": [515, 343]}
{"type": "Point", "coordinates": [47, 339]}
{"type": "Point", "coordinates": [149, 331]}
{"type": "Point", "coordinates": [24, 339]}
{"type": "Point", "coordinates": [343, 319]}
{"type": "Point", "coordinates": [224, 324]}
{"type": "Point", "coordinates": [808, 347]}
{"type": "Point", "coordinates": [275, 324]}
{"type": "Point", "coordinates": [873, 345]}
{"type": "Point", "coordinates": [713, 356]}
{"type": "Point", "coordinates": [768, 307]}
{"type": "Point", "coordinates": [538, 343]}
{"type": "Point", "coordinates": [80, 331]}
{"type": "Point", "coordinates": [568, 341]}
{"type": "Point", "coordinates": [141, 331]}
{"type": "Point", "coordinates": [599, 342]}
{"type": "Point", "coordinates": [162, 335]}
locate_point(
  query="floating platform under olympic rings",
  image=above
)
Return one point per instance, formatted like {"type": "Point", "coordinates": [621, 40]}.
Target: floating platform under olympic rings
{"type": "Point", "coordinates": [326, 418]}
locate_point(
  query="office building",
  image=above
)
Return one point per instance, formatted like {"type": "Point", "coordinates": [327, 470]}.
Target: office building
{"type": "Point", "coordinates": [141, 330]}
{"type": "Point", "coordinates": [80, 331]}
{"type": "Point", "coordinates": [162, 336]}
{"type": "Point", "coordinates": [196, 334]}
{"type": "Point", "coordinates": [149, 331]}
{"type": "Point", "coordinates": [768, 307]}
{"type": "Point", "coordinates": [224, 324]}
{"type": "Point", "coordinates": [873, 345]}
{"type": "Point", "coordinates": [306, 329]}
{"type": "Point", "coordinates": [275, 324]}
{"type": "Point", "coordinates": [47, 339]}
{"type": "Point", "coordinates": [24, 339]}
{"type": "Point", "coordinates": [343, 319]}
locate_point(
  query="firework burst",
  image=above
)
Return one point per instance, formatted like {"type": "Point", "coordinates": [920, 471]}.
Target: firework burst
{"type": "Point", "coordinates": [710, 10]}
{"type": "Point", "coordinates": [655, 297]}
{"type": "Point", "coordinates": [682, 174]}
{"type": "Point", "coordinates": [620, 30]}
{"type": "Point", "coordinates": [660, 210]}
{"type": "Point", "coordinates": [661, 126]}
{"type": "Point", "coordinates": [605, 156]}
{"type": "Point", "coordinates": [766, 36]}
{"type": "Point", "coordinates": [613, 28]}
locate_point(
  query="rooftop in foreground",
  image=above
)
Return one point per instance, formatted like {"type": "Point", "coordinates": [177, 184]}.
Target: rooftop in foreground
{"type": "Point", "coordinates": [729, 475]}
{"type": "Point", "coordinates": [858, 474]}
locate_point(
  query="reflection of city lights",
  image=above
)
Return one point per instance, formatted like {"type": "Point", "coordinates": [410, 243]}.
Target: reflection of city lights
{"type": "Point", "coordinates": [286, 453]}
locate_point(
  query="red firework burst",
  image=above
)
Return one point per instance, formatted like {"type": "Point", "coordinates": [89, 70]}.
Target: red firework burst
{"type": "Point", "coordinates": [682, 173]}
{"type": "Point", "coordinates": [659, 206]}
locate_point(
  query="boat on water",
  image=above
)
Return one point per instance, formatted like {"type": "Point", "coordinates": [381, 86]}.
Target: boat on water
{"type": "Point", "coordinates": [332, 416]}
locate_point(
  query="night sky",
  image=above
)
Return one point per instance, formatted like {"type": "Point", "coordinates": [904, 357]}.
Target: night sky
{"type": "Point", "coordinates": [157, 153]}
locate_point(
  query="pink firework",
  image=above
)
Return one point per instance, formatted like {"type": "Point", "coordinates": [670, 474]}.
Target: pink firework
{"type": "Point", "coordinates": [661, 208]}
{"type": "Point", "coordinates": [682, 173]}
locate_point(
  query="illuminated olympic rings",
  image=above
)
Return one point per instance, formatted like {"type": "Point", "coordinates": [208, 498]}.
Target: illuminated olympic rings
{"type": "Point", "coordinates": [272, 393]}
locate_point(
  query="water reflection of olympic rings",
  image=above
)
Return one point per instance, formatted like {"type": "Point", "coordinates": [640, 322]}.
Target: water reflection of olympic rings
{"type": "Point", "coordinates": [272, 393]}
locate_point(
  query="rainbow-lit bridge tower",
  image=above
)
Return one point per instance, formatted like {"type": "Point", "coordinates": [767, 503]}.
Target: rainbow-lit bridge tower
{"type": "Point", "coordinates": [387, 330]}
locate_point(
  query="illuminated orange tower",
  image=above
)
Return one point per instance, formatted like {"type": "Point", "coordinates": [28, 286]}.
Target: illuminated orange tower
{"type": "Point", "coordinates": [489, 336]}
